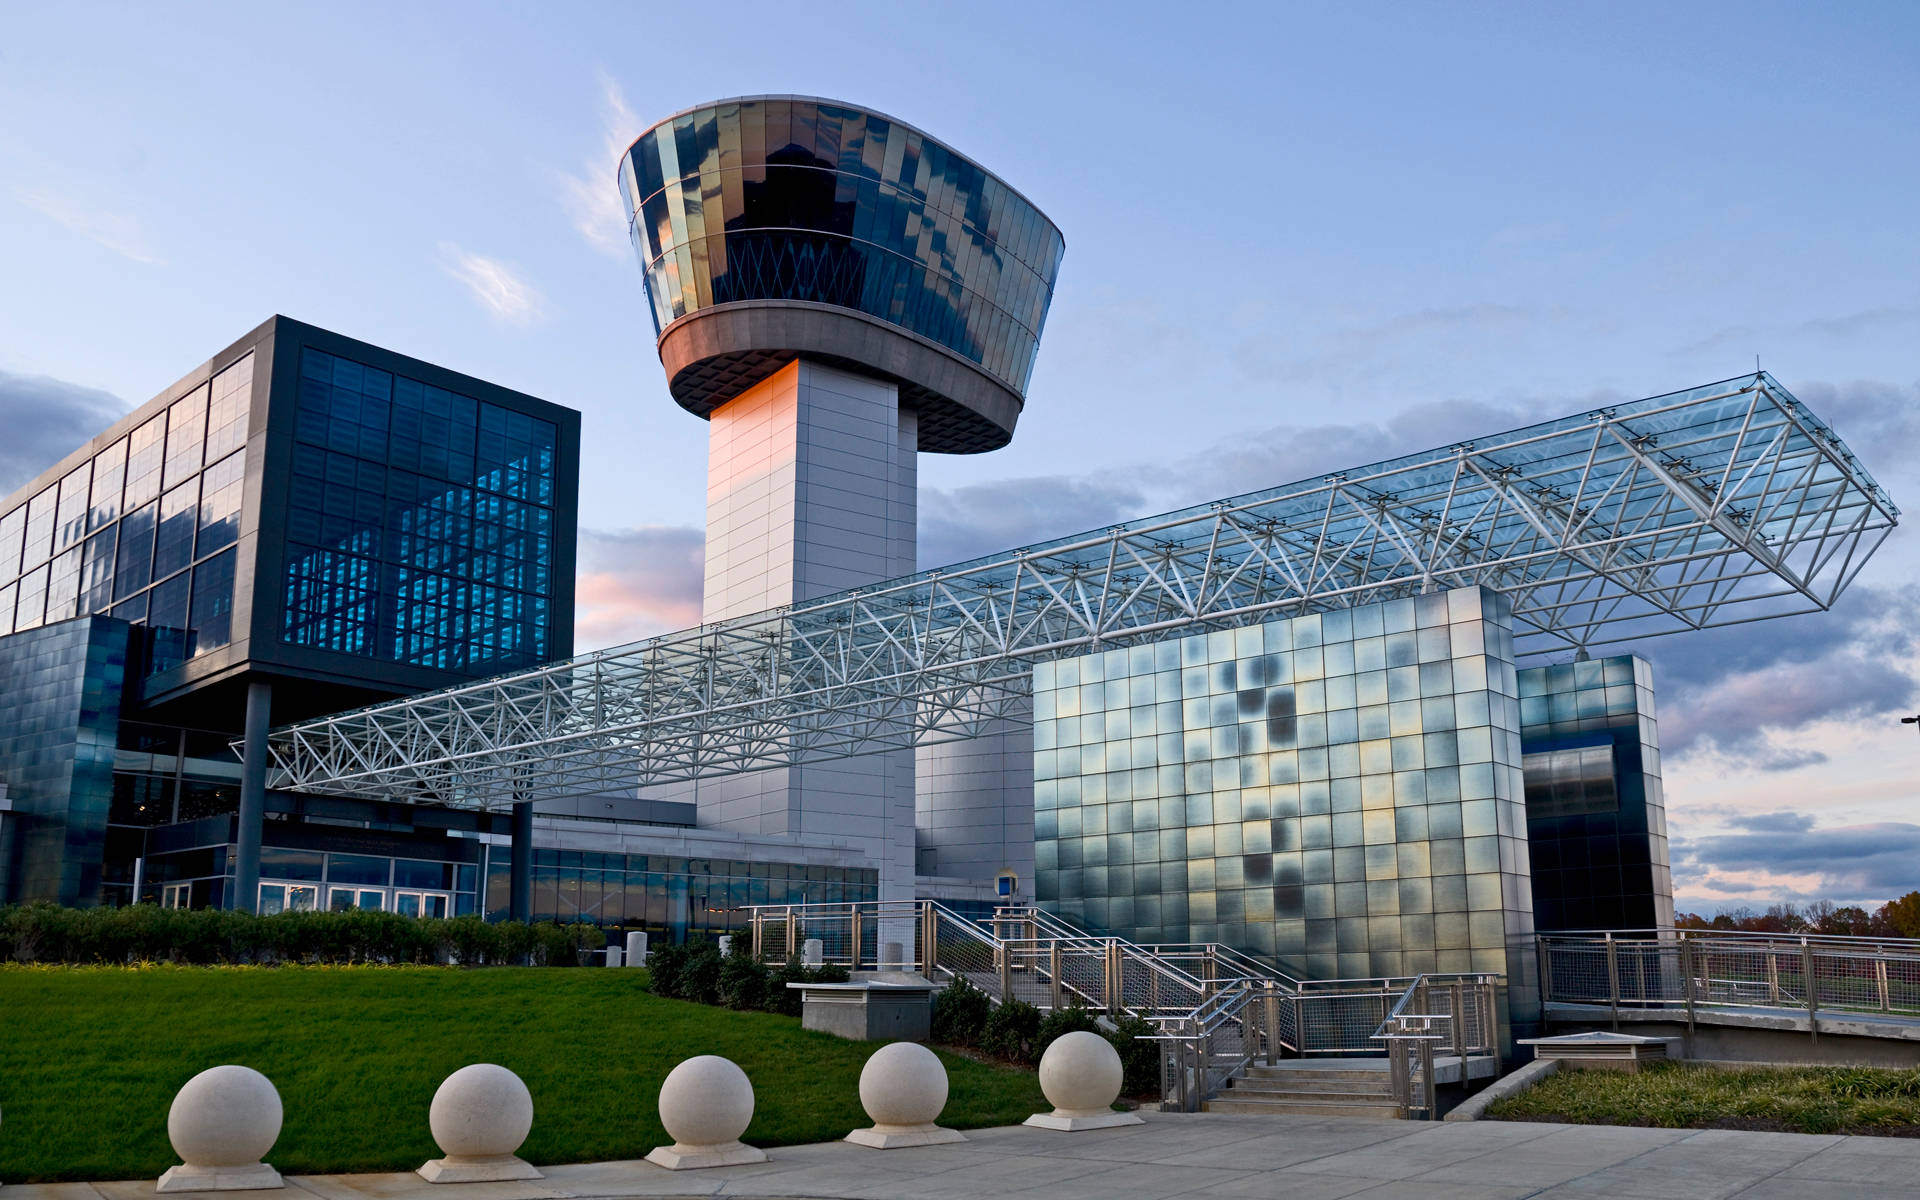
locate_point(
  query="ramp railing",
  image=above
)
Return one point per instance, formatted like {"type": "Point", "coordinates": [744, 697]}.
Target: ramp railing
{"type": "Point", "coordinates": [1681, 971]}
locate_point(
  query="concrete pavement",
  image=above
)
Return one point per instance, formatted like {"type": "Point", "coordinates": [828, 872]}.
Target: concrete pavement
{"type": "Point", "coordinates": [1216, 1155]}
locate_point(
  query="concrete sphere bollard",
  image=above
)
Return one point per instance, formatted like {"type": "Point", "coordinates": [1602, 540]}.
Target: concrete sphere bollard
{"type": "Point", "coordinates": [480, 1116]}
{"type": "Point", "coordinates": [903, 1087]}
{"type": "Point", "coordinates": [706, 1103]}
{"type": "Point", "coordinates": [1081, 1076]}
{"type": "Point", "coordinates": [222, 1124]}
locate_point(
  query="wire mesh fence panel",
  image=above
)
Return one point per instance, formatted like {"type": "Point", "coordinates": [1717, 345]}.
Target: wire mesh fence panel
{"type": "Point", "coordinates": [1577, 972]}
{"type": "Point", "coordinates": [1083, 974]}
{"type": "Point", "coordinates": [1338, 1024]}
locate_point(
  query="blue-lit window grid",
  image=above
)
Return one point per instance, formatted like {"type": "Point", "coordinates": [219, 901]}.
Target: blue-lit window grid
{"type": "Point", "coordinates": [420, 522]}
{"type": "Point", "coordinates": [142, 530]}
{"type": "Point", "coordinates": [792, 199]}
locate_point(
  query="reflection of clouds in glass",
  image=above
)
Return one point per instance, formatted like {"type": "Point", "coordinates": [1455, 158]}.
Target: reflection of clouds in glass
{"type": "Point", "coordinates": [1340, 791]}
{"type": "Point", "coordinates": [801, 200]}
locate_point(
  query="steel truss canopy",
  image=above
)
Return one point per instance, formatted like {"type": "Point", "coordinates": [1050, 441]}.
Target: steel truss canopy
{"type": "Point", "coordinates": [1722, 504]}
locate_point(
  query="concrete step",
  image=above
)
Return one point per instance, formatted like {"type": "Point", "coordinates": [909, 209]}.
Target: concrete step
{"type": "Point", "coordinates": [1310, 1087]}
{"type": "Point", "coordinates": [1226, 1104]}
{"type": "Point", "coordinates": [1327, 1074]}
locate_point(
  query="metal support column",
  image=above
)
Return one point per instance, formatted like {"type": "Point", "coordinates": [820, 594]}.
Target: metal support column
{"type": "Point", "coordinates": [1813, 990]}
{"type": "Point", "coordinates": [253, 798]}
{"type": "Point", "coordinates": [520, 865]}
{"type": "Point", "coordinates": [1613, 979]}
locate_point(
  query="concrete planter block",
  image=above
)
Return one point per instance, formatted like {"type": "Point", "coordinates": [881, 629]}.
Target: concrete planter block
{"type": "Point", "coordinates": [903, 1087]}
{"type": "Point", "coordinates": [868, 1010]}
{"type": "Point", "coordinates": [706, 1103]}
{"type": "Point", "coordinates": [480, 1116]}
{"type": "Point", "coordinates": [1080, 1074]}
{"type": "Point", "coordinates": [636, 949]}
{"type": "Point", "coordinates": [222, 1124]}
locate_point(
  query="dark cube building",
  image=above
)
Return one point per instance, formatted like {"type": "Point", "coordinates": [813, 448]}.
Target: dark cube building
{"type": "Point", "coordinates": [303, 524]}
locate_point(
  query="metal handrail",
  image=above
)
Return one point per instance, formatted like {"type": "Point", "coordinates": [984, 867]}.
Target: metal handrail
{"type": "Point", "coordinates": [1686, 971]}
{"type": "Point", "coordinates": [1909, 945]}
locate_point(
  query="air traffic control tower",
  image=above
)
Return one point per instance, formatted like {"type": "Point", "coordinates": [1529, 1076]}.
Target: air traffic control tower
{"type": "Point", "coordinates": [837, 292]}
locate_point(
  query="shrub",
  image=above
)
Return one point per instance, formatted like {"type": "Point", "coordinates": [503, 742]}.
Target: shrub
{"type": "Point", "coordinates": [743, 981]}
{"type": "Point", "coordinates": [960, 1012]}
{"type": "Point", "coordinates": [1073, 1019]}
{"type": "Point", "coordinates": [1139, 1058]}
{"type": "Point", "coordinates": [779, 997]}
{"type": "Point", "coordinates": [665, 965]}
{"type": "Point", "coordinates": [700, 974]}
{"type": "Point", "coordinates": [1011, 1031]}
{"type": "Point", "coordinates": [829, 973]}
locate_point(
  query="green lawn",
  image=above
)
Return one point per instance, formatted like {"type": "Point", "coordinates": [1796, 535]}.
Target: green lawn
{"type": "Point", "coordinates": [90, 1059]}
{"type": "Point", "coordinates": [1691, 1096]}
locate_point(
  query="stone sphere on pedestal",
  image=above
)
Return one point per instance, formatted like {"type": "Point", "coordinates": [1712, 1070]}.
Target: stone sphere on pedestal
{"type": "Point", "coordinates": [706, 1103]}
{"type": "Point", "coordinates": [222, 1124]}
{"type": "Point", "coordinates": [1081, 1076]}
{"type": "Point", "coordinates": [224, 1117]}
{"type": "Point", "coordinates": [903, 1087]}
{"type": "Point", "coordinates": [481, 1111]}
{"type": "Point", "coordinates": [479, 1117]}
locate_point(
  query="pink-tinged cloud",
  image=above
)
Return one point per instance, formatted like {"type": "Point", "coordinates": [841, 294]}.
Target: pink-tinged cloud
{"type": "Point", "coordinates": [636, 583]}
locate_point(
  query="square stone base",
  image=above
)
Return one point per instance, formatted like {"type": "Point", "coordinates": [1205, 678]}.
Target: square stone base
{"type": "Point", "coordinates": [1054, 1120]}
{"type": "Point", "coordinates": [691, 1158]}
{"type": "Point", "coordinates": [896, 1137]}
{"type": "Point", "coordinates": [250, 1178]}
{"type": "Point", "coordinates": [496, 1168]}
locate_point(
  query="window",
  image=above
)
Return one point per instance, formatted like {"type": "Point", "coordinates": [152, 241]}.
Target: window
{"type": "Point", "coordinates": [109, 475]}
{"type": "Point", "coordinates": [70, 524]}
{"type": "Point", "coordinates": [228, 410]}
{"type": "Point", "coordinates": [145, 457]}
{"type": "Point", "coordinates": [210, 620]}
{"type": "Point", "coordinates": [186, 437]}
{"type": "Point", "coordinates": [220, 491]}
{"type": "Point", "coordinates": [179, 511]}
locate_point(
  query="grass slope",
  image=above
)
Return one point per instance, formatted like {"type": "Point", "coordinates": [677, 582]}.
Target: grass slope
{"type": "Point", "coordinates": [90, 1059]}
{"type": "Point", "coordinates": [1690, 1096]}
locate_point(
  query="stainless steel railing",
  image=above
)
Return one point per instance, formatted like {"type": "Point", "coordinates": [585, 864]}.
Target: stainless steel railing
{"type": "Point", "coordinates": [1685, 970]}
{"type": "Point", "coordinates": [1448, 1014]}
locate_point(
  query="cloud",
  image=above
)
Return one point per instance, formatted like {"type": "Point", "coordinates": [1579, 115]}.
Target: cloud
{"type": "Point", "coordinates": [637, 583]}
{"type": "Point", "coordinates": [1871, 862]}
{"type": "Point", "coordinates": [47, 419]}
{"type": "Point", "coordinates": [114, 231]}
{"type": "Point", "coordinates": [590, 196]}
{"type": "Point", "coordinates": [510, 299]}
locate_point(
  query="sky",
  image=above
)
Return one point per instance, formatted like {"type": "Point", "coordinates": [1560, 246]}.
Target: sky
{"type": "Point", "coordinates": [1299, 238]}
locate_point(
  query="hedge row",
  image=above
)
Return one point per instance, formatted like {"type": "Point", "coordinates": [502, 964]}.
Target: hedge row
{"type": "Point", "coordinates": [697, 971]}
{"type": "Point", "coordinates": [48, 933]}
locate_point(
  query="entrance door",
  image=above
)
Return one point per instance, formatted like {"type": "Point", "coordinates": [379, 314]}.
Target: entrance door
{"type": "Point", "coordinates": [421, 904]}
{"type": "Point", "coordinates": [176, 895]}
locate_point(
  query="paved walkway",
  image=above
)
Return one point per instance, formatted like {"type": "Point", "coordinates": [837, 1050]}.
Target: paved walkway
{"type": "Point", "coordinates": [1218, 1155]}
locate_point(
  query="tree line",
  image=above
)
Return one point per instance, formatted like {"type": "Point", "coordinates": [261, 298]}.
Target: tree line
{"type": "Point", "coordinates": [1896, 918]}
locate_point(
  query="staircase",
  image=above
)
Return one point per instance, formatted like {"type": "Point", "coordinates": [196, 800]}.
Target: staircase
{"type": "Point", "coordinates": [1333, 1087]}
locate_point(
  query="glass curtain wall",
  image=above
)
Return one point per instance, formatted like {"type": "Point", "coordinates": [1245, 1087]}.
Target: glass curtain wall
{"type": "Point", "coordinates": [668, 896]}
{"type": "Point", "coordinates": [144, 531]}
{"type": "Point", "coordinates": [1340, 791]}
{"type": "Point", "coordinates": [421, 523]}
